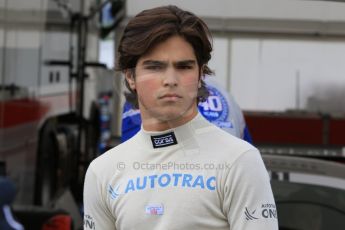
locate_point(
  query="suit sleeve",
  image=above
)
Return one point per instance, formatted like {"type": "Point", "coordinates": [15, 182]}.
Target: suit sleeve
{"type": "Point", "coordinates": [248, 199]}
{"type": "Point", "coordinates": [97, 215]}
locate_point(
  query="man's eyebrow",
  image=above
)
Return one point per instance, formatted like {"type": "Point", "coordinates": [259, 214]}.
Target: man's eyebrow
{"type": "Point", "coordinates": [154, 62]}
{"type": "Point", "coordinates": [182, 62]}
{"type": "Point", "coordinates": [185, 62]}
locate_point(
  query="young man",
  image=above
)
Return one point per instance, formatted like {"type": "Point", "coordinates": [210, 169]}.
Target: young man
{"type": "Point", "coordinates": [179, 171]}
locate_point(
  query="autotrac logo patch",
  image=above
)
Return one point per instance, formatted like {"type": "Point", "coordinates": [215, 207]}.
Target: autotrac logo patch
{"type": "Point", "coordinates": [161, 181]}
{"type": "Point", "coordinates": [265, 211]}
{"type": "Point", "coordinates": [216, 108]}
{"type": "Point", "coordinates": [163, 140]}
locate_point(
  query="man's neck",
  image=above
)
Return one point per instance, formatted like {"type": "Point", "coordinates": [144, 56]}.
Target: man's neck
{"type": "Point", "coordinates": [153, 124]}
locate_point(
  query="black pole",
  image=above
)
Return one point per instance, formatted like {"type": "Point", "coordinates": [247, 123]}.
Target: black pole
{"type": "Point", "coordinates": [81, 22]}
{"type": "Point", "coordinates": [71, 62]}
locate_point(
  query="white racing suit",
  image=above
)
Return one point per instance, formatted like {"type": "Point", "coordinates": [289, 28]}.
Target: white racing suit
{"type": "Point", "coordinates": [195, 176]}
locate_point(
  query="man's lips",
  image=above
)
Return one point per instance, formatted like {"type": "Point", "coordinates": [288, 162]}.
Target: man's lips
{"type": "Point", "coordinates": [170, 96]}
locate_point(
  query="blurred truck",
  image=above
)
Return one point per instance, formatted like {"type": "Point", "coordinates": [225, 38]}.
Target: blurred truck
{"type": "Point", "coordinates": [50, 93]}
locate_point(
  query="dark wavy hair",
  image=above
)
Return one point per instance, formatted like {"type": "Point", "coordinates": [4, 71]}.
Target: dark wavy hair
{"type": "Point", "coordinates": [153, 26]}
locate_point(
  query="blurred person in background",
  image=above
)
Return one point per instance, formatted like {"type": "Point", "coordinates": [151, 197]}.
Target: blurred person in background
{"type": "Point", "coordinates": [7, 196]}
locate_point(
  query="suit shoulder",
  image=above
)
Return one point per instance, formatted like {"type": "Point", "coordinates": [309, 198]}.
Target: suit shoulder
{"type": "Point", "coordinates": [109, 159]}
{"type": "Point", "coordinates": [227, 140]}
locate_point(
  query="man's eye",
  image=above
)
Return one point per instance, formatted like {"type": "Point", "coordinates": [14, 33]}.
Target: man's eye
{"type": "Point", "coordinates": [185, 67]}
{"type": "Point", "coordinates": [154, 67]}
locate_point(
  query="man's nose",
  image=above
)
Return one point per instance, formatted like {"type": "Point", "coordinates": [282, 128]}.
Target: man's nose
{"type": "Point", "coordinates": [170, 78]}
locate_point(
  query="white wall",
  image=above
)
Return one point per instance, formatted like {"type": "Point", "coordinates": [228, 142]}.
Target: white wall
{"type": "Point", "coordinates": [219, 62]}
{"type": "Point", "coordinates": [270, 9]}
{"type": "Point", "coordinates": [272, 74]}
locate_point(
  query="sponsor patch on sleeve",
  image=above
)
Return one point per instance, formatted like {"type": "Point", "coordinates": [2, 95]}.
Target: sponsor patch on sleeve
{"type": "Point", "coordinates": [265, 211]}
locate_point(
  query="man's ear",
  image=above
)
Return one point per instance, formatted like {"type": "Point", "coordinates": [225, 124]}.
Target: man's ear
{"type": "Point", "coordinates": [201, 76]}
{"type": "Point", "coordinates": [130, 79]}
{"type": "Point", "coordinates": [199, 83]}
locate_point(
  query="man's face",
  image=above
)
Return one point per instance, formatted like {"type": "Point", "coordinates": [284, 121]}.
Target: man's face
{"type": "Point", "coordinates": [167, 81]}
